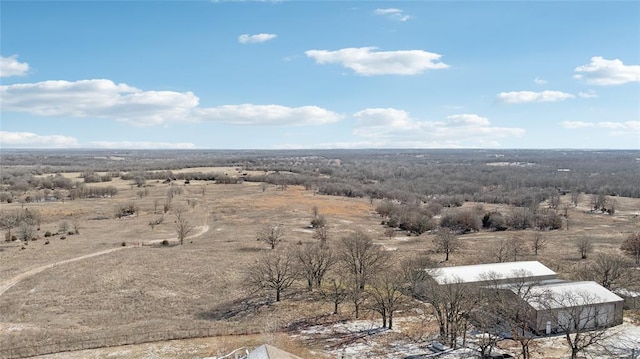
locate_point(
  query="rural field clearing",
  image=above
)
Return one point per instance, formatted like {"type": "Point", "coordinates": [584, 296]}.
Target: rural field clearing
{"type": "Point", "coordinates": [115, 278]}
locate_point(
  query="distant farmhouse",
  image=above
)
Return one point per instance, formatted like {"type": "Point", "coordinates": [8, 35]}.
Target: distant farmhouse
{"type": "Point", "coordinates": [555, 305]}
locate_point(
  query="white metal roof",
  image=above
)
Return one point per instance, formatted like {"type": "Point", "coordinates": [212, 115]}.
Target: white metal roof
{"type": "Point", "coordinates": [267, 351]}
{"type": "Point", "coordinates": [505, 270]}
{"type": "Point", "coordinates": [570, 294]}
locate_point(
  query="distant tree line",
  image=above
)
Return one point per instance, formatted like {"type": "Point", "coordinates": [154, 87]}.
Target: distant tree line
{"type": "Point", "coordinates": [521, 178]}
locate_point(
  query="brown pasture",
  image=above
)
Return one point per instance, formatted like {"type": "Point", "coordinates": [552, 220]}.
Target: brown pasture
{"type": "Point", "coordinates": [145, 287]}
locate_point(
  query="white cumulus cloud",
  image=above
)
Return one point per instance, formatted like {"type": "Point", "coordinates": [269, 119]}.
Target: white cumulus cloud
{"type": "Point", "coordinates": [32, 140]}
{"type": "Point", "coordinates": [10, 66]}
{"type": "Point", "coordinates": [255, 39]}
{"type": "Point", "coordinates": [607, 72]}
{"type": "Point", "coordinates": [610, 125]}
{"type": "Point", "coordinates": [389, 127]}
{"type": "Point", "coordinates": [392, 13]}
{"type": "Point", "coordinates": [104, 99]}
{"type": "Point", "coordinates": [383, 117]}
{"type": "Point", "coordinates": [467, 120]}
{"type": "Point", "coordinates": [97, 99]}
{"type": "Point", "coordinates": [530, 96]}
{"type": "Point", "coordinates": [249, 114]}
{"type": "Point", "coordinates": [588, 94]}
{"type": "Point", "coordinates": [539, 81]}
{"type": "Point", "coordinates": [367, 61]}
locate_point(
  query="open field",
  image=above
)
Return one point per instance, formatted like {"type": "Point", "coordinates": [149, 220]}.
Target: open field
{"type": "Point", "coordinates": [90, 285]}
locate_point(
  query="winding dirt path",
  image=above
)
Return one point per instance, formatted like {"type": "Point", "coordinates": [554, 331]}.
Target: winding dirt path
{"type": "Point", "coordinates": [15, 280]}
{"type": "Point", "coordinates": [20, 277]}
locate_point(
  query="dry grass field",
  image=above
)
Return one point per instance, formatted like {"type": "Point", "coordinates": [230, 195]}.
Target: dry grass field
{"type": "Point", "coordinates": [90, 285]}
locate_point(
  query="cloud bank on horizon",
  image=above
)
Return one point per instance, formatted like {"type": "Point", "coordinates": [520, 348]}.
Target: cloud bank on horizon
{"type": "Point", "coordinates": [372, 95]}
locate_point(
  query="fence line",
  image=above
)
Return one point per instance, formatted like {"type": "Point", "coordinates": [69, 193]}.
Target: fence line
{"type": "Point", "coordinates": [114, 341]}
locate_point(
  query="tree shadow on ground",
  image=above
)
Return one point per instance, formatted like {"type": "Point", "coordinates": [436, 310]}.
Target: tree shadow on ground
{"type": "Point", "coordinates": [331, 337]}
{"type": "Point", "coordinates": [234, 310]}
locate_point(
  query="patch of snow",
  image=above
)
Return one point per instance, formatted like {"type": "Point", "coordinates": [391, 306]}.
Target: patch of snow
{"type": "Point", "coordinates": [303, 230]}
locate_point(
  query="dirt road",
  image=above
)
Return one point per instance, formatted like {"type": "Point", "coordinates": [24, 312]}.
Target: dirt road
{"type": "Point", "coordinates": [17, 279]}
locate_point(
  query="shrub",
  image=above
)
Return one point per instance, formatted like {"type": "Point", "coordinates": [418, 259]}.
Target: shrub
{"type": "Point", "coordinates": [124, 244]}
{"type": "Point", "coordinates": [165, 242]}
{"type": "Point", "coordinates": [63, 237]}
{"type": "Point", "coordinates": [46, 242]}
{"type": "Point", "coordinates": [318, 222]}
{"type": "Point", "coordinates": [461, 221]}
{"type": "Point", "coordinates": [521, 218]}
{"type": "Point", "coordinates": [125, 210]}
{"type": "Point", "coordinates": [71, 233]}
{"type": "Point", "coordinates": [548, 219]}
{"type": "Point", "coordinates": [494, 221]}
{"type": "Point", "coordinates": [48, 234]}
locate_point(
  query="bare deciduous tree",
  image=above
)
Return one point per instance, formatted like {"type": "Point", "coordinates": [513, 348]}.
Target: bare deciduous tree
{"type": "Point", "coordinates": [584, 246]}
{"type": "Point", "coordinates": [357, 296]}
{"type": "Point", "coordinates": [8, 221]}
{"type": "Point", "coordinates": [554, 200]}
{"type": "Point", "coordinates": [611, 271]}
{"type": "Point", "coordinates": [156, 222]}
{"type": "Point", "coordinates": [538, 243]}
{"type": "Point", "coordinates": [390, 232]}
{"type": "Point", "coordinates": [58, 195]}
{"type": "Point", "coordinates": [517, 247]}
{"type": "Point", "coordinates": [416, 270]}
{"type": "Point", "coordinates": [63, 227]}
{"type": "Point", "coordinates": [361, 258]}
{"type": "Point", "coordinates": [167, 203]}
{"type": "Point", "coordinates": [452, 302]}
{"type": "Point", "coordinates": [271, 234]}
{"type": "Point", "coordinates": [275, 270]}
{"type": "Point", "coordinates": [318, 220]}
{"type": "Point", "coordinates": [139, 181]}
{"type": "Point", "coordinates": [33, 217]}
{"type": "Point", "coordinates": [183, 226]}
{"type": "Point", "coordinates": [321, 234]}
{"type": "Point", "coordinates": [25, 231]}
{"type": "Point", "coordinates": [575, 197]}
{"type": "Point", "coordinates": [75, 224]}
{"type": "Point", "coordinates": [315, 260]}
{"type": "Point", "coordinates": [447, 242]}
{"type": "Point", "coordinates": [336, 290]}
{"type": "Point", "coordinates": [500, 250]}
{"type": "Point", "coordinates": [631, 246]}
{"type": "Point", "coordinates": [600, 202]}
{"type": "Point", "coordinates": [386, 294]}
{"type": "Point", "coordinates": [192, 203]}
{"type": "Point", "coordinates": [509, 309]}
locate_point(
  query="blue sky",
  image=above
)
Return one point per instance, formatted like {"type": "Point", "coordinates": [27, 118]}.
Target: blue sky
{"type": "Point", "coordinates": [312, 74]}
